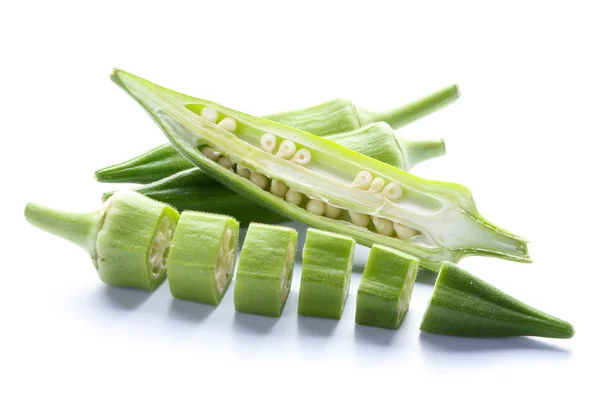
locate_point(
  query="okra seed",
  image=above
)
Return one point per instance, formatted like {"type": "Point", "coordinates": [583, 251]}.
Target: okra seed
{"type": "Point", "coordinates": [359, 219]}
{"type": "Point", "coordinates": [228, 124]}
{"type": "Point", "coordinates": [278, 188]}
{"type": "Point", "coordinates": [302, 157]}
{"type": "Point", "coordinates": [259, 180]}
{"type": "Point", "coordinates": [332, 211]}
{"type": "Point", "coordinates": [242, 171]}
{"type": "Point", "coordinates": [383, 226]}
{"type": "Point", "coordinates": [404, 232]}
{"type": "Point", "coordinates": [316, 207]}
{"type": "Point", "coordinates": [287, 148]}
{"type": "Point", "coordinates": [211, 153]}
{"type": "Point", "coordinates": [392, 191]}
{"type": "Point", "coordinates": [284, 278]}
{"type": "Point", "coordinates": [363, 180]}
{"type": "Point", "coordinates": [209, 114]}
{"type": "Point", "coordinates": [377, 185]}
{"type": "Point", "coordinates": [293, 197]}
{"type": "Point", "coordinates": [268, 142]}
{"type": "Point", "coordinates": [226, 162]}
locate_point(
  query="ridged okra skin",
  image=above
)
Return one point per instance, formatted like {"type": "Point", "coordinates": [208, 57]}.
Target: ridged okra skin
{"type": "Point", "coordinates": [332, 117]}
{"type": "Point", "coordinates": [385, 288]}
{"type": "Point", "coordinates": [326, 269]}
{"type": "Point", "coordinates": [265, 269]}
{"type": "Point", "coordinates": [202, 257]}
{"type": "Point", "coordinates": [323, 184]}
{"type": "Point", "coordinates": [464, 305]}
{"type": "Point", "coordinates": [128, 238]}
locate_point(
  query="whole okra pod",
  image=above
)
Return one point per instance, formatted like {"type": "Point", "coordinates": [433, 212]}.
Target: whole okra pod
{"type": "Point", "coordinates": [323, 184]}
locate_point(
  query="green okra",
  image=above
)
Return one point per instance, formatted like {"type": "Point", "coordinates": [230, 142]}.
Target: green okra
{"type": "Point", "coordinates": [464, 305]}
{"type": "Point", "coordinates": [321, 183]}
{"type": "Point", "coordinates": [326, 270]}
{"type": "Point", "coordinates": [336, 116]}
{"type": "Point", "coordinates": [128, 238]}
{"type": "Point", "coordinates": [265, 269]}
{"type": "Point", "coordinates": [202, 256]}
{"type": "Point", "coordinates": [385, 288]}
{"type": "Point", "coordinates": [193, 190]}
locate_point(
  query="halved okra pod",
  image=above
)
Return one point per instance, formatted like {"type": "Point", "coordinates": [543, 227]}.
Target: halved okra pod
{"type": "Point", "coordinates": [128, 238]}
{"type": "Point", "coordinates": [325, 119]}
{"type": "Point", "coordinates": [385, 288]}
{"type": "Point", "coordinates": [326, 270]}
{"type": "Point", "coordinates": [464, 305]}
{"type": "Point", "coordinates": [367, 199]}
{"type": "Point", "coordinates": [265, 269]}
{"type": "Point", "coordinates": [202, 256]}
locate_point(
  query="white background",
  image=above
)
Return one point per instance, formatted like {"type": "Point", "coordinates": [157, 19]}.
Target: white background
{"type": "Point", "coordinates": [523, 137]}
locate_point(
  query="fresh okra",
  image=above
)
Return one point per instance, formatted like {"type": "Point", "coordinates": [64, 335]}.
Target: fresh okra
{"type": "Point", "coordinates": [128, 238]}
{"type": "Point", "coordinates": [326, 270]}
{"type": "Point", "coordinates": [202, 256]}
{"type": "Point", "coordinates": [264, 273]}
{"type": "Point", "coordinates": [330, 187]}
{"type": "Point", "coordinates": [336, 116]}
{"type": "Point", "coordinates": [193, 190]}
{"type": "Point", "coordinates": [385, 288]}
{"type": "Point", "coordinates": [464, 305]}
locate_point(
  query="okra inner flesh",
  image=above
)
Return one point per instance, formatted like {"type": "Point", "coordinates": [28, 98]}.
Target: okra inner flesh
{"type": "Point", "coordinates": [160, 247]}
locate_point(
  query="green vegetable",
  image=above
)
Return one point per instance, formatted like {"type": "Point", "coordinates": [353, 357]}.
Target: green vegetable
{"type": "Point", "coordinates": [193, 190]}
{"type": "Point", "coordinates": [326, 269]}
{"type": "Point", "coordinates": [325, 119]}
{"type": "Point", "coordinates": [323, 184]}
{"type": "Point", "coordinates": [128, 238]}
{"type": "Point", "coordinates": [464, 305]}
{"type": "Point", "coordinates": [265, 269]}
{"type": "Point", "coordinates": [385, 288]}
{"type": "Point", "coordinates": [202, 257]}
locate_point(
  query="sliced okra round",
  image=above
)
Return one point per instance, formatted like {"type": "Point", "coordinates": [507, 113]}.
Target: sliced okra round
{"type": "Point", "coordinates": [202, 256]}
{"type": "Point", "coordinates": [326, 270]}
{"type": "Point", "coordinates": [385, 288]}
{"type": "Point", "coordinates": [128, 238]}
{"type": "Point", "coordinates": [265, 268]}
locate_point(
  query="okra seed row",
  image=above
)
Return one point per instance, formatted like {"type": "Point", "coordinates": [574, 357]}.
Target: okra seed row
{"type": "Point", "coordinates": [286, 150]}
{"type": "Point", "coordinates": [268, 142]}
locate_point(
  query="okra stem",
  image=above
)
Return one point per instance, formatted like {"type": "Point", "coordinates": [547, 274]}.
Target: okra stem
{"type": "Point", "coordinates": [416, 151]}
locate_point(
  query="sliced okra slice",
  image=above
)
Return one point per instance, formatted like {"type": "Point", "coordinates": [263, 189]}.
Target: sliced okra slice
{"type": "Point", "coordinates": [128, 238]}
{"type": "Point", "coordinates": [326, 270]}
{"type": "Point", "coordinates": [385, 288]}
{"type": "Point", "coordinates": [265, 268]}
{"type": "Point", "coordinates": [202, 256]}
{"type": "Point", "coordinates": [434, 221]}
{"type": "Point", "coordinates": [464, 305]}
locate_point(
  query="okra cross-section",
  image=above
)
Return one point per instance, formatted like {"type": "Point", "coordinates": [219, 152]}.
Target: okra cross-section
{"type": "Point", "coordinates": [202, 257]}
{"type": "Point", "coordinates": [326, 270]}
{"type": "Point", "coordinates": [464, 305]}
{"type": "Point", "coordinates": [265, 268]}
{"type": "Point", "coordinates": [321, 183]}
{"type": "Point", "coordinates": [128, 238]}
{"type": "Point", "coordinates": [385, 288]}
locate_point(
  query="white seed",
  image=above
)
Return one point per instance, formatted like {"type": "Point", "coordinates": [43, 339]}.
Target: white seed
{"type": "Point", "coordinates": [242, 171]}
{"type": "Point", "coordinates": [226, 162]}
{"type": "Point", "coordinates": [268, 141]}
{"type": "Point", "coordinates": [392, 191]}
{"type": "Point", "coordinates": [209, 114]}
{"type": "Point", "coordinates": [293, 197]}
{"type": "Point", "coordinates": [383, 226]}
{"type": "Point", "coordinates": [228, 124]}
{"type": "Point", "coordinates": [211, 153]}
{"type": "Point", "coordinates": [316, 207]}
{"type": "Point", "coordinates": [359, 219]}
{"type": "Point", "coordinates": [404, 232]}
{"type": "Point", "coordinates": [278, 188]}
{"type": "Point", "coordinates": [332, 211]}
{"type": "Point", "coordinates": [226, 239]}
{"type": "Point", "coordinates": [287, 148]}
{"type": "Point", "coordinates": [377, 185]}
{"type": "Point", "coordinates": [363, 180]}
{"type": "Point", "coordinates": [302, 157]}
{"type": "Point", "coordinates": [259, 180]}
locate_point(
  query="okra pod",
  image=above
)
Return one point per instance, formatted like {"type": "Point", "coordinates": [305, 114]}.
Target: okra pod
{"type": "Point", "coordinates": [336, 116]}
{"type": "Point", "coordinates": [337, 189]}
